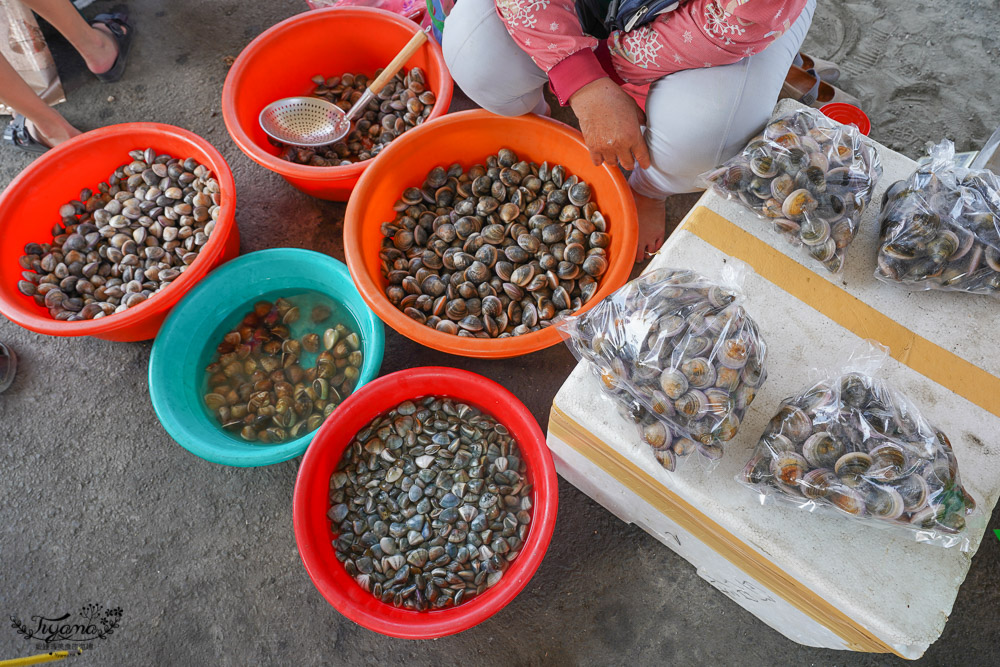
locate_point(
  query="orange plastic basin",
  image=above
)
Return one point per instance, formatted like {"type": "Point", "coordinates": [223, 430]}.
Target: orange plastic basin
{"type": "Point", "coordinates": [468, 138]}
{"type": "Point", "coordinates": [281, 62]}
{"type": "Point", "coordinates": [30, 206]}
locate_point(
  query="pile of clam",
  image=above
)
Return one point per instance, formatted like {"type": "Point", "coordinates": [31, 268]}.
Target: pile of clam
{"type": "Point", "coordinates": [258, 387]}
{"type": "Point", "coordinates": [404, 103]}
{"type": "Point", "coordinates": [430, 504]}
{"type": "Point", "coordinates": [119, 245]}
{"type": "Point", "coordinates": [856, 445]}
{"type": "Point", "coordinates": [499, 250]}
{"type": "Point", "coordinates": [941, 230]}
{"type": "Point", "coordinates": [679, 354]}
{"type": "Point", "coordinates": [810, 176]}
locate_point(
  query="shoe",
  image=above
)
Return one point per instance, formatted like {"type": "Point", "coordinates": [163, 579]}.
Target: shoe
{"type": "Point", "coordinates": [809, 89]}
{"type": "Point", "coordinates": [8, 367]}
{"type": "Point", "coordinates": [16, 134]}
{"type": "Point", "coordinates": [121, 32]}
{"type": "Point", "coordinates": [828, 70]}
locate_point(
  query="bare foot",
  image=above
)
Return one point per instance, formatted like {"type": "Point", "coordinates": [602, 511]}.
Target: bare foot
{"type": "Point", "coordinates": [53, 134]}
{"type": "Point", "coordinates": [652, 225]}
{"type": "Point", "coordinates": [105, 52]}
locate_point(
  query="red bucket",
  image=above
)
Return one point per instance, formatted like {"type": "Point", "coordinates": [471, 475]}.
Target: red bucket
{"type": "Point", "coordinates": [30, 206]}
{"type": "Point", "coordinates": [281, 62]}
{"type": "Point", "coordinates": [311, 500]}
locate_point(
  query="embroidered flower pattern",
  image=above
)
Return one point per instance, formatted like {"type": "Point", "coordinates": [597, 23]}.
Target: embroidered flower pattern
{"type": "Point", "coordinates": [640, 47]}
{"type": "Point", "coordinates": [717, 22]}
{"type": "Point", "coordinates": [521, 12]}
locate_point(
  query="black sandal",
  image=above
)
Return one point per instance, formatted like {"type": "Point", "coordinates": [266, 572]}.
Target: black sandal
{"type": "Point", "coordinates": [8, 367]}
{"type": "Point", "coordinates": [121, 30]}
{"type": "Point", "coordinates": [16, 134]}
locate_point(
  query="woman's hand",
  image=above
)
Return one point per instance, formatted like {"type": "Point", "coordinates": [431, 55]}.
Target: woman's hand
{"type": "Point", "coordinates": [610, 120]}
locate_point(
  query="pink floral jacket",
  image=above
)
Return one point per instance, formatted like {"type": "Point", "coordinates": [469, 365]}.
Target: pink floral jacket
{"type": "Point", "coordinates": [699, 33]}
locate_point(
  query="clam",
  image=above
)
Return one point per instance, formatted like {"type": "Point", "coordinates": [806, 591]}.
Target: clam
{"type": "Point", "coordinates": [798, 203]}
{"type": "Point", "coordinates": [757, 470]}
{"type": "Point", "coordinates": [777, 443]}
{"type": "Point", "coordinates": [817, 483]}
{"type": "Point", "coordinates": [727, 428]}
{"type": "Point", "coordinates": [727, 378]}
{"type": "Point", "coordinates": [736, 177]}
{"type": "Point", "coordinates": [744, 396]}
{"type": "Point", "coordinates": [734, 352]}
{"type": "Point", "coordinates": [852, 466]}
{"type": "Point", "coordinates": [782, 186]}
{"type": "Point", "coordinates": [789, 467]}
{"type": "Point", "coordinates": [822, 450]}
{"type": "Point", "coordinates": [847, 500]}
{"type": "Point", "coordinates": [699, 372]}
{"type": "Point", "coordinates": [888, 461]}
{"type": "Point", "coordinates": [666, 458]}
{"type": "Point", "coordinates": [883, 502]}
{"type": "Point", "coordinates": [674, 383]}
{"type": "Point", "coordinates": [914, 491]}
{"type": "Point", "coordinates": [693, 404]}
{"type": "Point", "coordinates": [579, 194]}
{"type": "Point", "coordinates": [793, 423]}
{"type": "Point", "coordinates": [825, 252]}
{"type": "Point", "coordinates": [855, 391]}
{"type": "Point", "coordinates": [656, 435]}
{"type": "Point", "coordinates": [763, 165]}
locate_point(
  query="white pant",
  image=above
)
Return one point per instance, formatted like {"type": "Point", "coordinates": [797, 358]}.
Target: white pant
{"type": "Point", "coordinates": [697, 118]}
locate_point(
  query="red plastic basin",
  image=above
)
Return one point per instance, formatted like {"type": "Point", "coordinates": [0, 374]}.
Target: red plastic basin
{"type": "Point", "coordinates": [311, 500]}
{"type": "Point", "coordinates": [281, 61]}
{"type": "Point", "coordinates": [30, 206]}
{"type": "Point", "coordinates": [467, 137]}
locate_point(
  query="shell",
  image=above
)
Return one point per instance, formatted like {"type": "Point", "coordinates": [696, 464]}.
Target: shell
{"type": "Point", "coordinates": [822, 450]}
{"type": "Point", "coordinates": [789, 467]}
{"type": "Point", "coordinates": [673, 383]}
{"type": "Point", "coordinates": [818, 483]}
{"type": "Point", "coordinates": [914, 491]}
{"type": "Point", "coordinates": [734, 352]}
{"type": "Point", "coordinates": [699, 372]}
{"type": "Point", "coordinates": [888, 461]}
{"type": "Point", "coordinates": [793, 423]}
{"type": "Point", "coordinates": [763, 165]}
{"type": "Point", "coordinates": [656, 435]}
{"type": "Point", "coordinates": [814, 231]}
{"type": "Point", "coordinates": [693, 404]}
{"type": "Point", "coordinates": [847, 500]}
{"type": "Point", "coordinates": [757, 470]}
{"type": "Point", "coordinates": [851, 466]}
{"type": "Point", "coordinates": [778, 443]}
{"type": "Point", "coordinates": [883, 502]}
{"type": "Point", "coordinates": [782, 186]}
{"type": "Point", "coordinates": [798, 203]}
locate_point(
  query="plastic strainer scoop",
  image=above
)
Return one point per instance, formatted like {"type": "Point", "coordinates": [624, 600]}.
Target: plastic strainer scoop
{"type": "Point", "coordinates": [310, 121]}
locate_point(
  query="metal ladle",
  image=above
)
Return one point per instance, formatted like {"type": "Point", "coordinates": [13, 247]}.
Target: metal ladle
{"type": "Point", "coordinates": [309, 121]}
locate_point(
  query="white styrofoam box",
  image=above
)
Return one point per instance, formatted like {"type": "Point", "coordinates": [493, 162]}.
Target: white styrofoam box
{"type": "Point", "coordinates": [733, 582]}
{"type": "Point", "coordinates": [948, 337]}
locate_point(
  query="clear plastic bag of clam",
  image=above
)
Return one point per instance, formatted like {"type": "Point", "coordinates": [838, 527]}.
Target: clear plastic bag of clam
{"type": "Point", "coordinates": [679, 356]}
{"type": "Point", "coordinates": [811, 177]}
{"type": "Point", "coordinates": [852, 444]}
{"type": "Point", "coordinates": [940, 228]}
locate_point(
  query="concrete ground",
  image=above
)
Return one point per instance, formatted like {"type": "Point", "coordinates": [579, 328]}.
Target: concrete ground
{"type": "Point", "coordinates": [99, 505]}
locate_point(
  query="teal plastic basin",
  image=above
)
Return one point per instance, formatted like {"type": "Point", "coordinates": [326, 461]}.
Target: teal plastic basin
{"type": "Point", "coordinates": [186, 343]}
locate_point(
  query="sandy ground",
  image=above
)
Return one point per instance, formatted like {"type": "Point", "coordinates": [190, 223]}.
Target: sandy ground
{"type": "Point", "coordinates": [99, 505]}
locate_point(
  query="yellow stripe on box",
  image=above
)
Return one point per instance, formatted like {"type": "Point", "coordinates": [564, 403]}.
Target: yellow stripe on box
{"type": "Point", "coordinates": [929, 359]}
{"type": "Point", "coordinates": [713, 535]}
